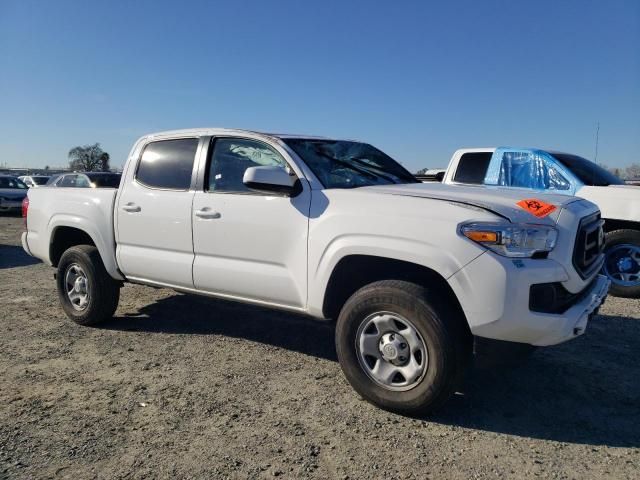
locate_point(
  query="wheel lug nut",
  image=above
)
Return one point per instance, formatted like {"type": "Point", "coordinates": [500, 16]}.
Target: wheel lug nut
{"type": "Point", "coordinates": [392, 337]}
{"type": "Point", "coordinates": [403, 345]}
{"type": "Point", "coordinates": [402, 359]}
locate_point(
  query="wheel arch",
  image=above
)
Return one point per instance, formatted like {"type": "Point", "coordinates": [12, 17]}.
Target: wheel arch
{"type": "Point", "coordinates": [353, 272]}
{"type": "Point", "coordinates": [64, 235]}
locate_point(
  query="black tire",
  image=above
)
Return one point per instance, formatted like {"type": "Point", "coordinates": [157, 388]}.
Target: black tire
{"type": "Point", "coordinates": [442, 327]}
{"type": "Point", "coordinates": [615, 238]}
{"type": "Point", "coordinates": [103, 290]}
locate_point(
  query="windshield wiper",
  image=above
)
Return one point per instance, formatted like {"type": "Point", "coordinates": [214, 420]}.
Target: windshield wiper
{"type": "Point", "coordinates": [363, 171]}
{"type": "Point", "coordinates": [375, 170]}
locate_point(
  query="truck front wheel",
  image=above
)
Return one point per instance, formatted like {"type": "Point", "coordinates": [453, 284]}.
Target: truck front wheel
{"type": "Point", "coordinates": [86, 291]}
{"type": "Point", "coordinates": [401, 347]}
{"type": "Point", "coordinates": [622, 263]}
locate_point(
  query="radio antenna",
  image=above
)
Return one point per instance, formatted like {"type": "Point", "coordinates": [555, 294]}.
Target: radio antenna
{"type": "Point", "coordinates": [595, 157]}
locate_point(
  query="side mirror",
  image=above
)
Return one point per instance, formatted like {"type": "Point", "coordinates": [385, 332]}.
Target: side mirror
{"type": "Point", "coordinates": [271, 179]}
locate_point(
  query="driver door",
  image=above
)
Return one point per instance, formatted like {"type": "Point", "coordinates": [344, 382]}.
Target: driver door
{"type": "Point", "coordinates": [249, 244]}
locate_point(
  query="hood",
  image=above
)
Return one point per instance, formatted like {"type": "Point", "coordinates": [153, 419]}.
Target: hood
{"type": "Point", "coordinates": [500, 201]}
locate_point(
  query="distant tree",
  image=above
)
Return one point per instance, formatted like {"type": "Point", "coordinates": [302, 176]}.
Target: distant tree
{"type": "Point", "coordinates": [46, 167]}
{"type": "Point", "coordinates": [633, 171]}
{"type": "Point", "coordinates": [421, 171]}
{"type": "Point", "coordinates": [89, 158]}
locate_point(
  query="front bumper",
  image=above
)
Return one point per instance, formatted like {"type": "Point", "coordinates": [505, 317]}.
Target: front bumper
{"type": "Point", "coordinates": [494, 294]}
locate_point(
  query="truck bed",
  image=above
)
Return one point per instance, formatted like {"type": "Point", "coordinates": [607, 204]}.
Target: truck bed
{"type": "Point", "coordinates": [60, 210]}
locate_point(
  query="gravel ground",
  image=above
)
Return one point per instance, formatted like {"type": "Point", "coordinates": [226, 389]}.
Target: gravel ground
{"type": "Point", "coordinates": [186, 387]}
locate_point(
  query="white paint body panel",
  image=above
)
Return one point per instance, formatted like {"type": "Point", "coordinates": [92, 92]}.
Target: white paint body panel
{"type": "Point", "coordinates": [281, 251]}
{"type": "Point", "coordinates": [619, 202]}
{"type": "Point", "coordinates": [156, 241]}
{"type": "Point", "coordinates": [256, 248]}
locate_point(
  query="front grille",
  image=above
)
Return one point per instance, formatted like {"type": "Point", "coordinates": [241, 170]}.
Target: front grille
{"type": "Point", "coordinates": [587, 252]}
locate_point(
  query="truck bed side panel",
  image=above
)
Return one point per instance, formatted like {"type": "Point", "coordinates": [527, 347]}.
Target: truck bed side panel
{"type": "Point", "coordinates": [89, 210]}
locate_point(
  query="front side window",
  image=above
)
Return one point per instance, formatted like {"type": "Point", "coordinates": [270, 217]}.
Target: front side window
{"type": "Point", "coordinates": [230, 159]}
{"type": "Point", "coordinates": [346, 164]}
{"type": "Point", "coordinates": [168, 164]}
{"type": "Point", "coordinates": [528, 169]}
{"type": "Point", "coordinates": [589, 173]}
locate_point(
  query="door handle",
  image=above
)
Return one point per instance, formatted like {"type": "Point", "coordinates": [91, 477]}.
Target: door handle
{"type": "Point", "coordinates": [131, 208]}
{"type": "Point", "coordinates": [207, 213]}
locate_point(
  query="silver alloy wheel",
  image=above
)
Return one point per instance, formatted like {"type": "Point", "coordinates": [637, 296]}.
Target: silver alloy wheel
{"type": "Point", "coordinates": [622, 264]}
{"type": "Point", "coordinates": [391, 351]}
{"type": "Point", "coordinates": [77, 287]}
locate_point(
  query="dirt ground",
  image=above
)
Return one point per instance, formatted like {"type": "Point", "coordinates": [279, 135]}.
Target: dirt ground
{"type": "Point", "coordinates": [178, 386]}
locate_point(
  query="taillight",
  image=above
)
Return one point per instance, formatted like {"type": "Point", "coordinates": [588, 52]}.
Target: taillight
{"type": "Point", "coordinates": [25, 210]}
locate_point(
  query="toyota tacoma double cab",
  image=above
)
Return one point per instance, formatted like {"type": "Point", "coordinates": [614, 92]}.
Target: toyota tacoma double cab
{"type": "Point", "coordinates": [334, 229]}
{"type": "Point", "coordinates": [564, 173]}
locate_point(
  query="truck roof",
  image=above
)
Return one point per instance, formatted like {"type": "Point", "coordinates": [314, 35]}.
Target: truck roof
{"type": "Point", "coordinates": [228, 131]}
{"type": "Point", "coordinates": [493, 149]}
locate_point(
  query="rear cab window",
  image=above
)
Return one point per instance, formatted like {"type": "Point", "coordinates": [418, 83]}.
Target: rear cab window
{"type": "Point", "coordinates": [167, 164]}
{"type": "Point", "coordinates": [472, 168]}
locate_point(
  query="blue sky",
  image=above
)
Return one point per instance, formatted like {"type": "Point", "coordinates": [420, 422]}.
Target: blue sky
{"type": "Point", "coordinates": [416, 79]}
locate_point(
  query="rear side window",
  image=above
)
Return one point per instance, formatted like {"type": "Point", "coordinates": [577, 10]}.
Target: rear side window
{"type": "Point", "coordinates": [168, 164]}
{"type": "Point", "coordinates": [472, 168]}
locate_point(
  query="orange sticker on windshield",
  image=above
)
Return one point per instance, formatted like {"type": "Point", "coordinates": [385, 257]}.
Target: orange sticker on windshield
{"type": "Point", "coordinates": [536, 207]}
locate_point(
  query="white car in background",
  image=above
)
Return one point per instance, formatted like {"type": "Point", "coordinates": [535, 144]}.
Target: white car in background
{"type": "Point", "coordinates": [32, 181]}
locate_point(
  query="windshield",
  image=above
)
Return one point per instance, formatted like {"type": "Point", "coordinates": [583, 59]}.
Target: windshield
{"type": "Point", "coordinates": [345, 164]}
{"type": "Point", "coordinates": [40, 180]}
{"type": "Point", "coordinates": [12, 182]}
{"type": "Point", "coordinates": [104, 180]}
{"type": "Point", "coordinates": [587, 171]}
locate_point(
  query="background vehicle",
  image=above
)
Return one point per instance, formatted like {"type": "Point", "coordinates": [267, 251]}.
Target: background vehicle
{"type": "Point", "coordinates": [86, 180]}
{"type": "Point", "coordinates": [337, 230]}
{"type": "Point", "coordinates": [35, 180]}
{"type": "Point", "coordinates": [12, 192]}
{"type": "Point", "coordinates": [565, 174]}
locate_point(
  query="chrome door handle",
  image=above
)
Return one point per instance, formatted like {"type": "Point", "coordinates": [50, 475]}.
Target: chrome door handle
{"type": "Point", "coordinates": [131, 208]}
{"type": "Point", "coordinates": [207, 213]}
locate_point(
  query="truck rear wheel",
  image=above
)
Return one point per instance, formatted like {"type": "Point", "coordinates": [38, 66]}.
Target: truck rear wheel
{"type": "Point", "coordinates": [86, 291]}
{"type": "Point", "coordinates": [400, 348]}
{"type": "Point", "coordinates": [622, 263]}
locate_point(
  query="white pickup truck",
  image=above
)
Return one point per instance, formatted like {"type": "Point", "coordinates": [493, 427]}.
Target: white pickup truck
{"type": "Point", "coordinates": [337, 230]}
{"type": "Point", "coordinates": [563, 173]}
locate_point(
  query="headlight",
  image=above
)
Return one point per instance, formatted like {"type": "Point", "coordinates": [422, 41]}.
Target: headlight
{"type": "Point", "coordinates": [512, 239]}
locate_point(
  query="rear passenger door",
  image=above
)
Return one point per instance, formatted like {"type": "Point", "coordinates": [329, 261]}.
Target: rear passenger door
{"type": "Point", "coordinates": [153, 214]}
